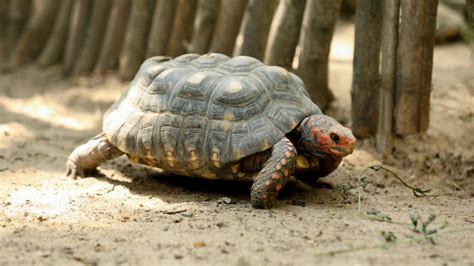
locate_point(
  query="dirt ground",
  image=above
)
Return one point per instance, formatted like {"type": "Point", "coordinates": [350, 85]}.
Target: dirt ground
{"type": "Point", "coordinates": [131, 214]}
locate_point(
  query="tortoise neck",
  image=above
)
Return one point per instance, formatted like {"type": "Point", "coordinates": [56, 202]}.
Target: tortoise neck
{"type": "Point", "coordinates": [299, 135]}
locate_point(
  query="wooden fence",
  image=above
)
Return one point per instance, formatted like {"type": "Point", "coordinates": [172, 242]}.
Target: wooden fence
{"type": "Point", "coordinates": [392, 60]}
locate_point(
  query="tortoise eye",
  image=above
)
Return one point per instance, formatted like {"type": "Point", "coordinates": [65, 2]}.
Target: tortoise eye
{"type": "Point", "coordinates": [335, 138]}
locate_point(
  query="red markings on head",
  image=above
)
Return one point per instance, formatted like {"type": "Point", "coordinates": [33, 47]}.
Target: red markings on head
{"type": "Point", "coordinates": [329, 136]}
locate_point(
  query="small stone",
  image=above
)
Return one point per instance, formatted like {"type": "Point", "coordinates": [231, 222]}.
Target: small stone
{"type": "Point", "coordinates": [174, 211]}
{"type": "Point", "coordinates": [177, 219]}
{"type": "Point", "coordinates": [178, 256]}
{"type": "Point", "coordinates": [187, 214]}
{"type": "Point", "coordinates": [225, 200]}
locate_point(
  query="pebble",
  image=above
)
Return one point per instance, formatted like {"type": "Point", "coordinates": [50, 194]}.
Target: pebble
{"type": "Point", "coordinates": [225, 200]}
{"type": "Point", "coordinates": [174, 211]}
{"type": "Point", "coordinates": [187, 214]}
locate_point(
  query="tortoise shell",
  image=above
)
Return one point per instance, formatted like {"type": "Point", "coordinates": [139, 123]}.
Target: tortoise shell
{"type": "Point", "coordinates": [198, 115]}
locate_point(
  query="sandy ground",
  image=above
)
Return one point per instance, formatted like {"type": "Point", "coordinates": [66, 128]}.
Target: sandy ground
{"type": "Point", "coordinates": [131, 214]}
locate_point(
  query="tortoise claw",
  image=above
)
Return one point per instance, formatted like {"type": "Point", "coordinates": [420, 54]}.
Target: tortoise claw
{"type": "Point", "coordinates": [260, 203]}
{"type": "Point", "coordinates": [74, 171]}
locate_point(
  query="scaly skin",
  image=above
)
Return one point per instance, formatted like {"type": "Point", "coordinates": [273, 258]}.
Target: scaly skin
{"type": "Point", "coordinates": [88, 156]}
{"type": "Point", "coordinates": [275, 173]}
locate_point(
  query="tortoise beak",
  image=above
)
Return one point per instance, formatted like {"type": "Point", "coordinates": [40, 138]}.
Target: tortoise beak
{"type": "Point", "coordinates": [345, 147]}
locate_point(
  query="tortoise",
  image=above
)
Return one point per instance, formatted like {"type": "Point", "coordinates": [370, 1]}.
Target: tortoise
{"type": "Point", "coordinates": [217, 117]}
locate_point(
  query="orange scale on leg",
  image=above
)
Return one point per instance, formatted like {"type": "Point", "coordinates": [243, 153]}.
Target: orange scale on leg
{"type": "Point", "coordinates": [279, 186]}
{"type": "Point", "coordinates": [283, 161]}
{"type": "Point", "coordinates": [278, 167]}
{"type": "Point", "coordinates": [276, 176]}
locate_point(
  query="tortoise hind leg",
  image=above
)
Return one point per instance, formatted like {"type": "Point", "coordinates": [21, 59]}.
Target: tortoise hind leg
{"type": "Point", "coordinates": [275, 173]}
{"type": "Point", "coordinates": [88, 156]}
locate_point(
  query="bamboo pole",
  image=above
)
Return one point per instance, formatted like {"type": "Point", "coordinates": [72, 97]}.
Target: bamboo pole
{"type": "Point", "coordinates": [255, 28]}
{"type": "Point", "coordinates": [415, 65]}
{"type": "Point", "coordinates": [284, 33]}
{"type": "Point", "coordinates": [134, 46]}
{"type": "Point", "coordinates": [384, 137]}
{"type": "Point", "coordinates": [114, 36]}
{"type": "Point", "coordinates": [18, 15]}
{"type": "Point", "coordinates": [204, 24]}
{"type": "Point", "coordinates": [470, 13]}
{"type": "Point", "coordinates": [227, 27]}
{"type": "Point", "coordinates": [77, 29]}
{"type": "Point", "coordinates": [54, 49]}
{"type": "Point", "coordinates": [318, 27]}
{"type": "Point", "coordinates": [182, 28]}
{"type": "Point", "coordinates": [366, 76]}
{"type": "Point", "coordinates": [3, 31]}
{"type": "Point", "coordinates": [36, 33]}
{"type": "Point", "coordinates": [93, 37]}
{"type": "Point", "coordinates": [161, 27]}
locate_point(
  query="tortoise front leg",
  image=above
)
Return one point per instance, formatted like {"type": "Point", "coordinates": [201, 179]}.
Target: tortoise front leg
{"type": "Point", "coordinates": [88, 156]}
{"type": "Point", "coordinates": [275, 173]}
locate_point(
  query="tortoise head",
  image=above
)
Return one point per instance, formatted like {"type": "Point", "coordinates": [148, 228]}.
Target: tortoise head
{"type": "Point", "coordinates": [323, 136]}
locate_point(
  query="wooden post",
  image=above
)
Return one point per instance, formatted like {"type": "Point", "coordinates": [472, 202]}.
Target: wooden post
{"type": "Point", "coordinates": [391, 17]}
{"type": "Point", "coordinates": [470, 13]}
{"type": "Point", "coordinates": [255, 28]}
{"type": "Point", "coordinates": [114, 36]}
{"type": "Point", "coordinates": [18, 14]}
{"type": "Point", "coordinates": [134, 46]}
{"type": "Point", "coordinates": [54, 49]}
{"type": "Point", "coordinates": [3, 31]}
{"type": "Point", "coordinates": [93, 37]}
{"type": "Point", "coordinates": [365, 75]}
{"type": "Point", "coordinates": [204, 24]}
{"type": "Point", "coordinates": [182, 28]}
{"type": "Point", "coordinates": [318, 26]}
{"type": "Point", "coordinates": [36, 32]}
{"type": "Point", "coordinates": [227, 27]}
{"type": "Point", "coordinates": [161, 27]}
{"type": "Point", "coordinates": [284, 33]}
{"type": "Point", "coordinates": [414, 65]}
{"type": "Point", "coordinates": [77, 29]}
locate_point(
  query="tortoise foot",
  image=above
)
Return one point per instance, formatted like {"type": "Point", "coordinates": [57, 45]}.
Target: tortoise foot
{"type": "Point", "coordinates": [74, 171]}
